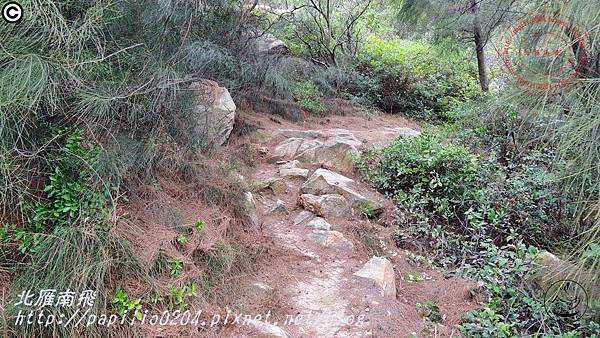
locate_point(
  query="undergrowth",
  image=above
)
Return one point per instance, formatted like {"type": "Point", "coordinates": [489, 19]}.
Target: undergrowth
{"type": "Point", "coordinates": [483, 215]}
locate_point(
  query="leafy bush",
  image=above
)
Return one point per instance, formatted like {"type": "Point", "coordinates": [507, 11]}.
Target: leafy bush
{"type": "Point", "coordinates": [175, 266]}
{"type": "Point", "coordinates": [454, 198]}
{"type": "Point", "coordinates": [70, 195]}
{"type": "Point", "coordinates": [513, 308]}
{"type": "Point", "coordinates": [308, 96]}
{"type": "Point", "coordinates": [417, 78]}
{"type": "Point", "coordinates": [423, 173]}
{"type": "Point", "coordinates": [483, 216]}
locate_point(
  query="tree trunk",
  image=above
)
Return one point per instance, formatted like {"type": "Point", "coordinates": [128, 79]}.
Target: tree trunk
{"type": "Point", "coordinates": [479, 45]}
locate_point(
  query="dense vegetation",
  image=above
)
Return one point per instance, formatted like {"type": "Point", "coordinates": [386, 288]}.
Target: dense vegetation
{"type": "Point", "coordinates": [94, 108]}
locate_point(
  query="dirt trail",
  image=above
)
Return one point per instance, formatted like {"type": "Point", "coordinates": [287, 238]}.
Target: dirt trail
{"type": "Point", "coordinates": [311, 275]}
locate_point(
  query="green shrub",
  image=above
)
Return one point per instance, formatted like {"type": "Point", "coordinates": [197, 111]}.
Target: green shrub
{"type": "Point", "coordinates": [70, 194]}
{"type": "Point", "coordinates": [199, 225]}
{"type": "Point", "coordinates": [514, 308]}
{"type": "Point", "coordinates": [423, 173]}
{"type": "Point", "coordinates": [482, 216]}
{"type": "Point", "coordinates": [175, 266]}
{"type": "Point", "coordinates": [417, 78]}
{"type": "Point", "coordinates": [179, 297]}
{"type": "Point", "coordinates": [308, 96]}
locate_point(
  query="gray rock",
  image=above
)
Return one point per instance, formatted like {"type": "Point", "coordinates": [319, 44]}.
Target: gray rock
{"type": "Point", "coordinates": [213, 112]}
{"type": "Point", "coordinates": [293, 147]}
{"type": "Point", "coordinates": [324, 181]}
{"type": "Point", "coordinates": [334, 148]}
{"type": "Point", "coordinates": [381, 272]}
{"type": "Point", "coordinates": [330, 238]}
{"type": "Point", "coordinates": [336, 154]}
{"type": "Point", "coordinates": [279, 208]}
{"type": "Point", "coordinates": [319, 224]}
{"type": "Point", "coordinates": [303, 216]}
{"type": "Point", "coordinates": [292, 169]}
{"type": "Point", "coordinates": [250, 208]}
{"type": "Point", "coordinates": [329, 205]}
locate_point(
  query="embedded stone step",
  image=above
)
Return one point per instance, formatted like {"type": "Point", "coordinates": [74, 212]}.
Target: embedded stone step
{"type": "Point", "coordinates": [329, 205]}
{"type": "Point", "coordinates": [293, 169]}
{"type": "Point", "coordinates": [319, 224]}
{"type": "Point", "coordinates": [326, 182]}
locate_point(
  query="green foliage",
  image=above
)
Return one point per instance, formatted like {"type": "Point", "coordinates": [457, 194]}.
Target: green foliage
{"type": "Point", "coordinates": [308, 96]}
{"type": "Point", "coordinates": [328, 32]}
{"type": "Point", "coordinates": [367, 209]}
{"type": "Point", "coordinates": [79, 257]}
{"type": "Point", "coordinates": [175, 266]}
{"type": "Point", "coordinates": [287, 34]}
{"type": "Point", "coordinates": [68, 193]}
{"type": "Point", "coordinates": [422, 172]}
{"type": "Point", "coordinates": [199, 225]}
{"type": "Point", "coordinates": [454, 199]}
{"type": "Point", "coordinates": [179, 297]}
{"type": "Point", "coordinates": [513, 308]}
{"type": "Point", "coordinates": [430, 310]}
{"type": "Point", "coordinates": [181, 239]}
{"type": "Point", "coordinates": [123, 304]}
{"type": "Point", "coordinates": [483, 216]}
{"type": "Point", "coordinates": [71, 195]}
{"type": "Point", "coordinates": [417, 78]}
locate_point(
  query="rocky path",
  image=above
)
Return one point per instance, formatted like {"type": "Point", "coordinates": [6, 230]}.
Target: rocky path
{"type": "Point", "coordinates": [336, 271]}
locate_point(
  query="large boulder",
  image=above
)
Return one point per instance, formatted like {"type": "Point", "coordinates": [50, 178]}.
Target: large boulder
{"type": "Point", "coordinates": [294, 147]}
{"type": "Point", "coordinates": [329, 205]}
{"type": "Point", "coordinates": [324, 181]}
{"type": "Point", "coordinates": [332, 154]}
{"type": "Point", "coordinates": [213, 111]}
{"type": "Point", "coordinates": [380, 271]}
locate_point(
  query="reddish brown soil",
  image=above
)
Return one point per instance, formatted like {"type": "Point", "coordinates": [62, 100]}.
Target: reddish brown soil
{"type": "Point", "coordinates": [295, 269]}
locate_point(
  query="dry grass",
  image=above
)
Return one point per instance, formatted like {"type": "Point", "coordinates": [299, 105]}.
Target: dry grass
{"type": "Point", "coordinates": [367, 236]}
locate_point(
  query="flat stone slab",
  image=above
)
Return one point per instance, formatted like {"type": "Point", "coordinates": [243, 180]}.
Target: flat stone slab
{"type": "Point", "coordinates": [330, 238]}
{"type": "Point", "coordinates": [324, 182]}
{"type": "Point", "coordinates": [319, 224]}
{"type": "Point", "coordinates": [325, 205]}
{"type": "Point", "coordinates": [293, 169]}
{"type": "Point", "coordinates": [303, 216]}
